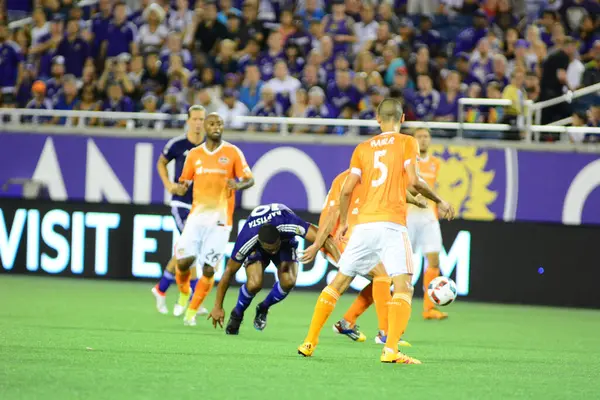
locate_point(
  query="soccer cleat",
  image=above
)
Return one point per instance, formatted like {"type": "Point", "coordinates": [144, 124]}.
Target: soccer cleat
{"type": "Point", "coordinates": [306, 349]}
{"type": "Point", "coordinates": [434, 313]}
{"type": "Point", "coordinates": [161, 301]}
{"type": "Point", "coordinates": [189, 321]}
{"type": "Point", "coordinates": [233, 325]}
{"type": "Point", "coordinates": [381, 339]}
{"type": "Point", "coordinates": [202, 311]}
{"type": "Point", "coordinates": [178, 310]}
{"type": "Point", "coordinates": [388, 356]}
{"type": "Point", "coordinates": [343, 327]}
{"type": "Point", "coordinates": [260, 320]}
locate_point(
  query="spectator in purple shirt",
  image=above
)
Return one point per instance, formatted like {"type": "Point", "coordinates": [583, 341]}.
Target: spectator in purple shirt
{"type": "Point", "coordinates": [422, 64]}
{"type": "Point", "coordinates": [174, 46]}
{"type": "Point", "coordinates": [342, 92]}
{"type": "Point", "coordinates": [340, 27]}
{"type": "Point", "coordinates": [267, 107]}
{"type": "Point", "coordinates": [376, 96]}
{"type": "Point", "coordinates": [482, 64]}
{"type": "Point", "coordinates": [11, 61]}
{"type": "Point", "coordinates": [67, 99]}
{"type": "Point", "coordinates": [428, 36]}
{"type": "Point", "coordinates": [54, 84]}
{"type": "Point", "coordinates": [100, 23]}
{"type": "Point", "coordinates": [448, 107]}
{"type": "Point", "coordinates": [464, 69]}
{"type": "Point", "coordinates": [301, 38]}
{"type": "Point", "coordinates": [294, 61]}
{"type": "Point", "coordinates": [499, 71]}
{"type": "Point", "coordinates": [327, 60]}
{"type": "Point", "coordinates": [154, 79]}
{"type": "Point", "coordinates": [121, 34]}
{"type": "Point", "coordinates": [252, 53]}
{"type": "Point", "coordinates": [39, 102]}
{"type": "Point", "coordinates": [74, 49]}
{"type": "Point", "coordinates": [267, 59]}
{"type": "Point", "coordinates": [469, 37]}
{"type": "Point", "coordinates": [118, 103]}
{"type": "Point", "coordinates": [318, 108]}
{"type": "Point", "coordinates": [587, 35]}
{"type": "Point", "coordinates": [426, 100]}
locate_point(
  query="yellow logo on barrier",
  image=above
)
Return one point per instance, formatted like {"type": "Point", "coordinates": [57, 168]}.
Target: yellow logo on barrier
{"type": "Point", "coordinates": [463, 181]}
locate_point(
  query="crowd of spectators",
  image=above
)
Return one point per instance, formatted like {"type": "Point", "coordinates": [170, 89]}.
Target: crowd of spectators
{"type": "Point", "coordinates": [306, 58]}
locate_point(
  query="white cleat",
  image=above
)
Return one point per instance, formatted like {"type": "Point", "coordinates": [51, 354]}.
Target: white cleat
{"type": "Point", "coordinates": [161, 302]}
{"type": "Point", "coordinates": [178, 310]}
{"type": "Point", "coordinates": [202, 311]}
{"type": "Point", "coordinates": [190, 321]}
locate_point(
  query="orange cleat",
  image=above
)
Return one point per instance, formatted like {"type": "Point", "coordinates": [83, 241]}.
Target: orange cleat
{"type": "Point", "coordinates": [434, 313]}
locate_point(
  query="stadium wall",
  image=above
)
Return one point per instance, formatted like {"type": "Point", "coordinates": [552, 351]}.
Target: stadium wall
{"type": "Point", "coordinates": [492, 261]}
{"type": "Point", "coordinates": [485, 182]}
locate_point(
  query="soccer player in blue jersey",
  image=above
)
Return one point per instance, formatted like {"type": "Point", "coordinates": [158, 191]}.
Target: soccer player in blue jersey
{"type": "Point", "coordinates": [268, 235]}
{"type": "Point", "coordinates": [177, 150]}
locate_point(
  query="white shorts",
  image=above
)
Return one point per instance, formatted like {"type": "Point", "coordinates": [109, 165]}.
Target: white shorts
{"type": "Point", "coordinates": [376, 242]}
{"type": "Point", "coordinates": [424, 232]}
{"type": "Point", "coordinates": [205, 241]}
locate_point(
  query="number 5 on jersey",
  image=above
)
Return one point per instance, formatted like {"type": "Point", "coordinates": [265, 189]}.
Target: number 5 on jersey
{"type": "Point", "coordinates": [378, 164]}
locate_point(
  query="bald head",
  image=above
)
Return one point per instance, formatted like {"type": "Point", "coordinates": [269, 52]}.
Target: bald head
{"type": "Point", "coordinates": [390, 111]}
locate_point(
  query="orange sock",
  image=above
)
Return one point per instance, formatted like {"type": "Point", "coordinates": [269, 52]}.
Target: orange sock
{"type": "Point", "coordinates": [323, 309]}
{"type": "Point", "coordinates": [360, 305]}
{"type": "Point", "coordinates": [399, 314]}
{"type": "Point", "coordinates": [429, 275]}
{"type": "Point", "coordinates": [203, 288]}
{"type": "Point", "coordinates": [183, 281]}
{"type": "Point", "coordinates": [382, 297]}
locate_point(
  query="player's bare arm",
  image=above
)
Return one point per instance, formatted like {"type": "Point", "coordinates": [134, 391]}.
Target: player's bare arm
{"type": "Point", "coordinates": [418, 184]}
{"type": "Point", "coordinates": [171, 187]}
{"type": "Point", "coordinates": [218, 314]}
{"type": "Point", "coordinates": [331, 216]}
{"type": "Point", "coordinates": [325, 241]}
{"type": "Point", "coordinates": [240, 185]}
{"type": "Point", "coordinates": [417, 200]}
{"type": "Point", "coordinates": [351, 182]}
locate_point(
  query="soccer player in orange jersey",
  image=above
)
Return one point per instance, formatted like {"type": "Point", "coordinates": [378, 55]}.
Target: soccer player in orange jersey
{"type": "Point", "coordinates": [423, 225]}
{"type": "Point", "coordinates": [378, 289]}
{"type": "Point", "coordinates": [217, 169]}
{"type": "Point", "coordinates": [386, 166]}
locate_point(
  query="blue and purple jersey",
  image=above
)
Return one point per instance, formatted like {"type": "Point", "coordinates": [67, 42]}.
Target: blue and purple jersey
{"type": "Point", "coordinates": [177, 149]}
{"type": "Point", "coordinates": [287, 223]}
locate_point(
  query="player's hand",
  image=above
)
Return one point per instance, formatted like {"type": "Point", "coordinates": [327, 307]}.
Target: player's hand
{"type": "Point", "coordinates": [309, 254]}
{"type": "Point", "coordinates": [421, 201]}
{"type": "Point", "coordinates": [179, 189]}
{"type": "Point", "coordinates": [232, 184]}
{"type": "Point", "coordinates": [218, 316]}
{"type": "Point", "coordinates": [341, 232]}
{"type": "Point", "coordinates": [446, 210]}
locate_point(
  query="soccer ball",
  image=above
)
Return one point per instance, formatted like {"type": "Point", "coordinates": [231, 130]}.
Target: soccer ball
{"type": "Point", "coordinates": [442, 291]}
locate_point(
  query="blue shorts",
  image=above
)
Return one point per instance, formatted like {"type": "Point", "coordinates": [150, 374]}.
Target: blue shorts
{"type": "Point", "coordinates": [287, 253]}
{"type": "Point", "coordinates": [180, 214]}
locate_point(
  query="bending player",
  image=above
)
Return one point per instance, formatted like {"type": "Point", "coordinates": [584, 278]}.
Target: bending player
{"type": "Point", "coordinates": [217, 169]}
{"type": "Point", "coordinates": [268, 235]}
{"type": "Point", "coordinates": [176, 150]}
{"type": "Point", "coordinates": [386, 165]}
{"type": "Point", "coordinates": [378, 289]}
{"type": "Point", "coordinates": [423, 224]}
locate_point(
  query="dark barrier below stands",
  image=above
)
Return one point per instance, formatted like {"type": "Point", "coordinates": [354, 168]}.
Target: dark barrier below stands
{"type": "Point", "coordinates": [523, 263]}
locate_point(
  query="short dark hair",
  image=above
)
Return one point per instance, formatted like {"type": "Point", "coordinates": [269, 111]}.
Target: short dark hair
{"type": "Point", "coordinates": [268, 234]}
{"type": "Point", "coordinates": [390, 110]}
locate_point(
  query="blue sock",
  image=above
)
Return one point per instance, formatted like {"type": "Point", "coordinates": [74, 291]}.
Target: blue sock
{"type": "Point", "coordinates": [244, 300]}
{"type": "Point", "coordinates": [166, 280]}
{"type": "Point", "coordinates": [275, 296]}
{"type": "Point", "coordinates": [193, 284]}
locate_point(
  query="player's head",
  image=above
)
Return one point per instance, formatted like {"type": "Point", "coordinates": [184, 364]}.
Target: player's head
{"type": "Point", "coordinates": [423, 137]}
{"type": "Point", "coordinates": [195, 119]}
{"type": "Point", "coordinates": [390, 115]}
{"type": "Point", "coordinates": [213, 126]}
{"type": "Point", "coordinates": [269, 239]}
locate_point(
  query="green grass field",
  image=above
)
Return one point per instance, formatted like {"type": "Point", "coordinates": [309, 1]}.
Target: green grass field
{"type": "Point", "coordinates": [75, 339]}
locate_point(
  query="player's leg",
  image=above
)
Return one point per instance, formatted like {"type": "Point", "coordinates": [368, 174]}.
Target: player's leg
{"type": "Point", "coordinates": [186, 250]}
{"type": "Point", "coordinates": [159, 291]}
{"type": "Point", "coordinates": [212, 251]}
{"type": "Point", "coordinates": [431, 246]}
{"type": "Point", "coordinates": [357, 259]}
{"type": "Point", "coordinates": [396, 256]}
{"type": "Point", "coordinates": [255, 267]}
{"type": "Point", "coordinates": [347, 325]}
{"type": "Point", "coordinates": [287, 271]}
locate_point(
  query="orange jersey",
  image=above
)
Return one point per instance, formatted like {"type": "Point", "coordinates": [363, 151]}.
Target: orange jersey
{"type": "Point", "coordinates": [210, 172]}
{"type": "Point", "coordinates": [429, 168]}
{"type": "Point", "coordinates": [380, 162]}
{"type": "Point", "coordinates": [333, 199]}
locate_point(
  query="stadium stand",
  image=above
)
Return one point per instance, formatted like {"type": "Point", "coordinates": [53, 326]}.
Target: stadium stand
{"type": "Point", "coordinates": [307, 58]}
